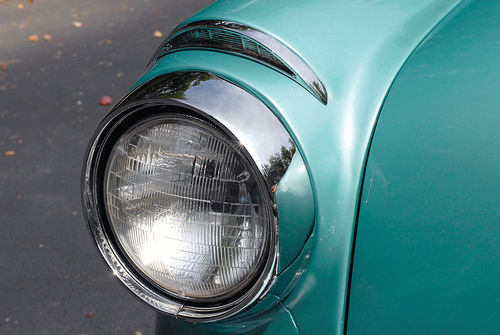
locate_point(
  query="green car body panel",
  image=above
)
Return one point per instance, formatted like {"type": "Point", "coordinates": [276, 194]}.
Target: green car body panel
{"type": "Point", "coordinates": [357, 49]}
{"type": "Point", "coordinates": [427, 251]}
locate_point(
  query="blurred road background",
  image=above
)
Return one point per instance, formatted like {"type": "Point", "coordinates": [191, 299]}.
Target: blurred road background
{"type": "Point", "coordinates": [57, 59]}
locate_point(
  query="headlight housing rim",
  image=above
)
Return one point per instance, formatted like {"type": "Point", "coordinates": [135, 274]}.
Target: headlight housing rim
{"type": "Point", "coordinates": [120, 119]}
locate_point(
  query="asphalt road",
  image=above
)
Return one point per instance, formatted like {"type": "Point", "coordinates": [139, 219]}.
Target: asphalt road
{"type": "Point", "coordinates": [52, 279]}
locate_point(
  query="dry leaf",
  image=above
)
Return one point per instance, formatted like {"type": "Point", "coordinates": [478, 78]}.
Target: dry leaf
{"type": "Point", "coordinates": [4, 67]}
{"type": "Point", "coordinates": [77, 24]}
{"type": "Point", "coordinates": [47, 37]}
{"type": "Point", "coordinates": [157, 34]}
{"type": "Point", "coordinates": [119, 74]}
{"type": "Point", "coordinates": [33, 38]}
{"type": "Point", "coordinates": [91, 314]}
{"type": "Point", "coordinates": [9, 153]}
{"type": "Point", "coordinates": [105, 101]}
{"type": "Point", "coordinates": [30, 1]}
{"type": "Point", "coordinates": [108, 41]}
{"type": "Point", "coordinates": [20, 6]}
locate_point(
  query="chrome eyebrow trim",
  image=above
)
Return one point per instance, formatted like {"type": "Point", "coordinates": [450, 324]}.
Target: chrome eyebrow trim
{"type": "Point", "coordinates": [269, 51]}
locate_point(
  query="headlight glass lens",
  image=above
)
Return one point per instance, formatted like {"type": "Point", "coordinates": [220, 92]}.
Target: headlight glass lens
{"type": "Point", "coordinates": [187, 208]}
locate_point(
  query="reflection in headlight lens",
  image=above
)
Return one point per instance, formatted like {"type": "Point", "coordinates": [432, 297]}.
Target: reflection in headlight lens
{"type": "Point", "coordinates": [186, 207]}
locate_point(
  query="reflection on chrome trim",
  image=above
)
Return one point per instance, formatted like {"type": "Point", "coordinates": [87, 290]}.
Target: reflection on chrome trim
{"type": "Point", "coordinates": [229, 107]}
{"type": "Point", "coordinates": [244, 41]}
{"type": "Point", "coordinates": [253, 124]}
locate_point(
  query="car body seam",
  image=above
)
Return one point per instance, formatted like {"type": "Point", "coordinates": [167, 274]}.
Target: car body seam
{"type": "Point", "coordinates": [367, 153]}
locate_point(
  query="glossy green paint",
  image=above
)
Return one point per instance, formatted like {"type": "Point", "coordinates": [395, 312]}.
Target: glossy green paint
{"type": "Point", "coordinates": [356, 48]}
{"type": "Point", "coordinates": [295, 201]}
{"type": "Point", "coordinates": [427, 254]}
{"type": "Point", "coordinates": [289, 277]}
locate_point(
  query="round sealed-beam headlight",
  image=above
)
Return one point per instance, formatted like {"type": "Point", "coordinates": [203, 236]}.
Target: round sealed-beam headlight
{"type": "Point", "coordinates": [187, 208]}
{"type": "Point", "coordinates": [178, 191]}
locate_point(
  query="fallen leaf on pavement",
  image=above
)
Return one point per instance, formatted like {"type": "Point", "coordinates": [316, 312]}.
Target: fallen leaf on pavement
{"type": "Point", "coordinates": [77, 24]}
{"type": "Point", "coordinates": [91, 314]}
{"type": "Point", "coordinates": [33, 38]}
{"type": "Point", "coordinates": [119, 74]}
{"type": "Point", "coordinates": [9, 153]}
{"type": "Point", "coordinates": [108, 41]}
{"type": "Point", "coordinates": [105, 101]}
{"type": "Point", "coordinates": [20, 6]}
{"type": "Point", "coordinates": [157, 34]}
{"type": "Point", "coordinates": [4, 67]}
{"type": "Point", "coordinates": [30, 1]}
{"type": "Point", "coordinates": [47, 37]}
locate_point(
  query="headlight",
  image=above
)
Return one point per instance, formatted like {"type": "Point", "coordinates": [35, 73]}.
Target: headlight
{"type": "Point", "coordinates": [187, 207]}
{"type": "Point", "coordinates": [178, 192]}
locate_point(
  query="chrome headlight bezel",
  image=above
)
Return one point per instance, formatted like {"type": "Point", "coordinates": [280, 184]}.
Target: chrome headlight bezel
{"type": "Point", "coordinates": [143, 103]}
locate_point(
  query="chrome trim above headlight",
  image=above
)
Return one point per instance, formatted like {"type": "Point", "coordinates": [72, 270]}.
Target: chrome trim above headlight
{"type": "Point", "coordinates": [228, 107]}
{"type": "Point", "coordinates": [235, 38]}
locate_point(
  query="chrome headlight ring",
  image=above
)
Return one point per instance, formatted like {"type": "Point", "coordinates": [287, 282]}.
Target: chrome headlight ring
{"type": "Point", "coordinates": [244, 119]}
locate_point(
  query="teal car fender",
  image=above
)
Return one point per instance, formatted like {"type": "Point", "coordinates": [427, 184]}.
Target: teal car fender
{"type": "Point", "coordinates": [356, 51]}
{"type": "Point", "coordinates": [427, 252]}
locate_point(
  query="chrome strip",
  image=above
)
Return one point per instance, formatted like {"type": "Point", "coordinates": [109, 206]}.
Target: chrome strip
{"type": "Point", "coordinates": [258, 130]}
{"type": "Point", "coordinates": [303, 74]}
